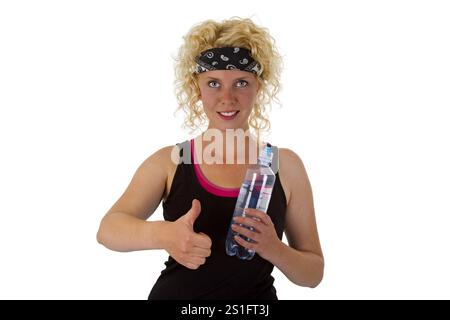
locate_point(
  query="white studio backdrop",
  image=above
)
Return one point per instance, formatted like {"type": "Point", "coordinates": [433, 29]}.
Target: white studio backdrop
{"type": "Point", "coordinates": [86, 95]}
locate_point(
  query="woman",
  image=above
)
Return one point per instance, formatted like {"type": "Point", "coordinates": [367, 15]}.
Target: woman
{"type": "Point", "coordinates": [227, 73]}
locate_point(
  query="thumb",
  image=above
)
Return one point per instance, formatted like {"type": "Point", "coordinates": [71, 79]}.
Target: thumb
{"type": "Point", "coordinates": [193, 213]}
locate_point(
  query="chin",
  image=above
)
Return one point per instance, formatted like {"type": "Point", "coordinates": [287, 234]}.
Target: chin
{"type": "Point", "coordinates": [229, 126]}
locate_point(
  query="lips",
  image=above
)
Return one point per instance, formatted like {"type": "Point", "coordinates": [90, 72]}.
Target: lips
{"type": "Point", "coordinates": [228, 115]}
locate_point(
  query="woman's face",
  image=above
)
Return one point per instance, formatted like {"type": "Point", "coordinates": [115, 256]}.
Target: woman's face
{"type": "Point", "coordinates": [228, 97]}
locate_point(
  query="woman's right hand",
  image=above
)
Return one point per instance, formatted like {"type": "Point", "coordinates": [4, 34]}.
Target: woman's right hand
{"type": "Point", "coordinates": [183, 244]}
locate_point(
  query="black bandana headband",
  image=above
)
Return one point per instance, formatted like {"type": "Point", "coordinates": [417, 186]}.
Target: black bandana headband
{"type": "Point", "coordinates": [227, 58]}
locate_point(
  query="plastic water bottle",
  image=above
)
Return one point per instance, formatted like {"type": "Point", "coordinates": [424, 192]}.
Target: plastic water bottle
{"type": "Point", "coordinates": [255, 192]}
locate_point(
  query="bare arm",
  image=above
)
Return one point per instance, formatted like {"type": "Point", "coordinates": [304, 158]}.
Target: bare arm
{"type": "Point", "coordinates": [302, 261]}
{"type": "Point", "coordinates": [124, 227]}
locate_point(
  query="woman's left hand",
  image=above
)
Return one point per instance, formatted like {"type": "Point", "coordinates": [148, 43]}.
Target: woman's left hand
{"type": "Point", "coordinates": [266, 242]}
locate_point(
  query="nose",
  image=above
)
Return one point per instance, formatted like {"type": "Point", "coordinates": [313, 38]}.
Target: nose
{"type": "Point", "coordinates": [228, 97]}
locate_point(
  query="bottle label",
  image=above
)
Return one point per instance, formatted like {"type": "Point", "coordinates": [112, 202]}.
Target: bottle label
{"type": "Point", "coordinates": [264, 199]}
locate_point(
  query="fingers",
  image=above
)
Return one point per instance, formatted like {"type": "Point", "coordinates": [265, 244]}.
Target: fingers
{"type": "Point", "coordinates": [193, 258]}
{"type": "Point", "coordinates": [253, 213]}
{"type": "Point", "coordinates": [194, 250]}
{"type": "Point", "coordinates": [200, 252]}
{"type": "Point", "coordinates": [196, 204]}
{"type": "Point", "coordinates": [244, 243]}
{"type": "Point", "coordinates": [250, 222]}
{"type": "Point", "coordinates": [245, 232]}
{"type": "Point", "coordinates": [195, 264]}
{"type": "Point", "coordinates": [191, 265]}
{"type": "Point", "coordinates": [197, 261]}
{"type": "Point", "coordinates": [193, 213]}
{"type": "Point", "coordinates": [197, 245]}
{"type": "Point", "coordinates": [202, 240]}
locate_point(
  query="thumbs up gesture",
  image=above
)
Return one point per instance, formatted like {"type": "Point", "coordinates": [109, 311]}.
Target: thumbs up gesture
{"type": "Point", "coordinates": [183, 244]}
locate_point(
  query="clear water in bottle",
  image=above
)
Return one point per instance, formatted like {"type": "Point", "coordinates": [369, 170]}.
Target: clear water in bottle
{"type": "Point", "coordinates": [255, 192]}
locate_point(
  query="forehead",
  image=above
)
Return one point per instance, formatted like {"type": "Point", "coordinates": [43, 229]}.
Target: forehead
{"type": "Point", "coordinates": [226, 75]}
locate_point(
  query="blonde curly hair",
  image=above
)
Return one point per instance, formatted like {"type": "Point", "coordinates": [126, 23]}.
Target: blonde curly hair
{"type": "Point", "coordinates": [237, 32]}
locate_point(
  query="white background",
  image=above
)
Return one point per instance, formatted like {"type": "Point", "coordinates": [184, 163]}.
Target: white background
{"type": "Point", "coordinates": [86, 95]}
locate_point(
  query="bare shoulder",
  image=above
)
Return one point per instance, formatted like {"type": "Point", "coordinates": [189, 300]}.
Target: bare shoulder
{"type": "Point", "coordinates": [301, 229]}
{"type": "Point", "coordinates": [291, 170]}
{"type": "Point", "coordinates": [163, 157]}
{"type": "Point", "coordinates": [148, 185]}
{"type": "Point", "coordinates": [290, 157]}
{"type": "Point", "coordinates": [159, 162]}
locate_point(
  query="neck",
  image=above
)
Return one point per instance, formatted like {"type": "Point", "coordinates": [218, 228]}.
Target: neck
{"type": "Point", "coordinates": [227, 147]}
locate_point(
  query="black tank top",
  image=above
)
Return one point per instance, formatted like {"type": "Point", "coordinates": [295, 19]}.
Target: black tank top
{"type": "Point", "coordinates": [222, 276]}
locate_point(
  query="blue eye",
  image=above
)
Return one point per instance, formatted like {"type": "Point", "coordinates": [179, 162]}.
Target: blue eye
{"type": "Point", "coordinates": [213, 84]}
{"type": "Point", "coordinates": [239, 84]}
{"type": "Point", "coordinates": [242, 83]}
